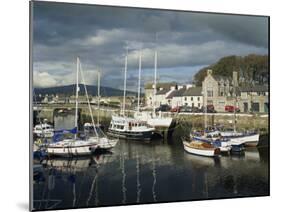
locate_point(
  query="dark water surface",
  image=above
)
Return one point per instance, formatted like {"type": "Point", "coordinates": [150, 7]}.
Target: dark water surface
{"type": "Point", "coordinates": [138, 172]}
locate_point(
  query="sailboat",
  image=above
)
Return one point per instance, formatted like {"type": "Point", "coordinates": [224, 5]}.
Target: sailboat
{"type": "Point", "coordinates": [122, 126]}
{"type": "Point", "coordinates": [153, 119]}
{"type": "Point", "coordinates": [235, 137]}
{"type": "Point", "coordinates": [212, 137]}
{"type": "Point", "coordinates": [201, 148]}
{"type": "Point", "coordinates": [73, 146]}
{"type": "Point", "coordinates": [99, 137]}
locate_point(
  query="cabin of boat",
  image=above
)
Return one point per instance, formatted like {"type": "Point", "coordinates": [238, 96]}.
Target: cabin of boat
{"type": "Point", "coordinates": [130, 128]}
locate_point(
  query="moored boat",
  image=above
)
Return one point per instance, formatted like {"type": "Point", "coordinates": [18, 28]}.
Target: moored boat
{"type": "Point", "coordinates": [248, 139]}
{"type": "Point", "coordinates": [129, 128]}
{"type": "Point", "coordinates": [71, 147]}
{"type": "Point", "coordinates": [44, 130]}
{"type": "Point", "coordinates": [201, 148]}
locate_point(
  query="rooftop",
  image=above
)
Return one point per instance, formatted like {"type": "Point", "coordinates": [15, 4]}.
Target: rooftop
{"type": "Point", "coordinates": [165, 85]}
{"type": "Point", "coordinates": [254, 88]}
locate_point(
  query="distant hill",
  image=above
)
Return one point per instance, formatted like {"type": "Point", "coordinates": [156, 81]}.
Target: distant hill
{"type": "Point", "coordinates": [70, 90]}
{"type": "Point", "coordinates": [252, 69]}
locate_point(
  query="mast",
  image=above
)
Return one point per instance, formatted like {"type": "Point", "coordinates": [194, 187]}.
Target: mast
{"type": "Point", "coordinates": [88, 101]}
{"type": "Point", "coordinates": [76, 98]}
{"type": "Point", "coordinates": [98, 119]}
{"type": "Point", "coordinates": [205, 106]}
{"type": "Point", "coordinates": [235, 103]}
{"type": "Point", "coordinates": [139, 87]}
{"type": "Point", "coordinates": [155, 79]}
{"type": "Point", "coordinates": [125, 79]}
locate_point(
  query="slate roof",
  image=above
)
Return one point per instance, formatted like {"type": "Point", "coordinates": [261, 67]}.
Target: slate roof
{"type": "Point", "coordinates": [162, 92]}
{"type": "Point", "coordinates": [165, 85]}
{"type": "Point", "coordinates": [254, 88]}
{"type": "Point", "coordinates": [173, 93]}
{"type": "Point", "coordinates": [179, 92]}
{"type": "Point", "coordinates": [193, 91]}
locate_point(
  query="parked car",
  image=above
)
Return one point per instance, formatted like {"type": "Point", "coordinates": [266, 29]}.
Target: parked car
{"type": "Point", "coordinates": [230, 108]}
{"type": "Point", "coordinates": [210, 109]}
{"type": "Point", "coordinates": [163, 108]}
{"type": "Point", "coordinates": [196, 110]}
{"type": "Point", "coordinates": [175, 109]}
{"type": "Point", "coordinates": [186, 109]}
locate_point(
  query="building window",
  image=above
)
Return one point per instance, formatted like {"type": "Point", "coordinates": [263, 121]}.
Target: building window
{"type": "Point", "coordinates": [191, 98]}
{"type": "Point", "coordinates": [210, 93]}
{"type": "Point", "coordinates": [198, 105]}
{"type": "Point", "coordinates": [185, 98]}
{"type": "Point", "coordinates": [198, 99]}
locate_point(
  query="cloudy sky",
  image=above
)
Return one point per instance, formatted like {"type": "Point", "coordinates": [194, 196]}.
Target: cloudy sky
{"type": "Point", "coordinates": [99, 35]}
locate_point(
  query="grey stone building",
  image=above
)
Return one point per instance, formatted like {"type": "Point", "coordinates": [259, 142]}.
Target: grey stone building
{"type": "Point", "coordinates": [220, 91]}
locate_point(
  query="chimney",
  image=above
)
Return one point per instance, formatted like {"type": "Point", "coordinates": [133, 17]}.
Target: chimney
{"type": "Point", "coordinates": [235, 78]}
{"type": "Point", "coordinates": [209, 72]}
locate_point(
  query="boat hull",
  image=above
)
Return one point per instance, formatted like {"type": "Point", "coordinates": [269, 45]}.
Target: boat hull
{"type": "Point", "coordinates": [70, 150]}
{"type": "Point", "coordinates": [106, 144]}
{"type": "Point", "coordinates": [127, 135]}
{"type": "Point", "coordinates": [210, 152]}
{"type": "Point", "coordinates": [247, 140]}
{"type": "Point", "coordinates": [154, 121]}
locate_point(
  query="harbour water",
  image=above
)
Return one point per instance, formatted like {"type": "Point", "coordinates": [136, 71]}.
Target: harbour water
{"type": "Point", "coordinates": [138, 172]}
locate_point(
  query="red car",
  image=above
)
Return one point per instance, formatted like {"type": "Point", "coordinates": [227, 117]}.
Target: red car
{"type": "Point", "coordinates": [230, 108]}
{"type": "Point", "coordinates": [175, 109]}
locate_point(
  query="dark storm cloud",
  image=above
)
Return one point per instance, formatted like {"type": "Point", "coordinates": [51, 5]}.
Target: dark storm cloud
{"type": "Point", "coordinates": [99, 34]}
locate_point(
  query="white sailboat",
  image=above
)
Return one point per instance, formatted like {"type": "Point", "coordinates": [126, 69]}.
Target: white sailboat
{"type": "Point", "coordinates": [125, 127]}
{"type": "Point", "coordinates": [99, 137]}
{"type": "Point", "coordinates": [74, 146]}
{"type": "Point", "coordinates": [235, 137]}
{"type": "Point", "coordinates": [153, 119]}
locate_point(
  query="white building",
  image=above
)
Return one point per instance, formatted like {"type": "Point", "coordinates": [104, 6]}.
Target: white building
{"type": "Point", "coordinates": [189, 96]}
{"type": "Point", "coordinates": [163, 90]}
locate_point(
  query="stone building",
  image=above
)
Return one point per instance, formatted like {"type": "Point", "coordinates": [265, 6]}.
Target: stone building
{"type": "Point", "coordinates": [220, 91]}
{"type": "Point", "coordinates": [253, 99]}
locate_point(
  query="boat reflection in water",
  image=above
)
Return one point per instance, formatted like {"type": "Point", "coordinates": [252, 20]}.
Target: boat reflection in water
{"type": "Point", "coordinates": [139, 172]}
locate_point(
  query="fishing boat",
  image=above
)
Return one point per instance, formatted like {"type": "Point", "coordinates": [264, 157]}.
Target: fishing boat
{"type": "Point", "coordinates": [129, 128]}
{"type": "Point", "coordinates": [43, 130]}
{"type": "Point", "coordinates": [76, 146]}
{"type": "Point", "coordinates": [122, 126]}
{"type": "Point", "coordinates": [201, 148]}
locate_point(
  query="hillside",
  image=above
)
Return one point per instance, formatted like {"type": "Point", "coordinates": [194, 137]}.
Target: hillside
{"type": "Point", "coordinates": [70, 90]}
{"type": "Point", "coordinates": [252, 69]}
